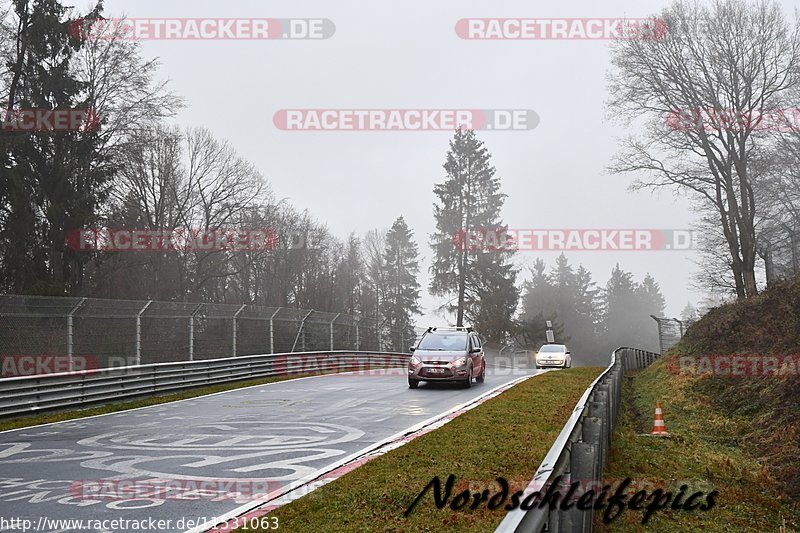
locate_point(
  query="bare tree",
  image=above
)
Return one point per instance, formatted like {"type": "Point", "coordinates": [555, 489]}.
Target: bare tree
{"type": "Point", "coordinates": [374, 248]}
{"type": "Point", "coordinates": [724, 65]}
{"type": "Point", "coordinates": [122, 88]}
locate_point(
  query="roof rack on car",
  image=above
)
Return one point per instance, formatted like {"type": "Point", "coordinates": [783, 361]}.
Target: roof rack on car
{"type": "Point", "coordinates": [454, 328]}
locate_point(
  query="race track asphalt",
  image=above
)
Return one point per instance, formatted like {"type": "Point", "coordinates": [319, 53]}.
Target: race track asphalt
{"type": "Point", "coordinates": [264, 436]}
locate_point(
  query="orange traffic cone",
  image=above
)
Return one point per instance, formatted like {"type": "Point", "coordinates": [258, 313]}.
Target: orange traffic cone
{"type": "Point", "coordinates": [658, 425]}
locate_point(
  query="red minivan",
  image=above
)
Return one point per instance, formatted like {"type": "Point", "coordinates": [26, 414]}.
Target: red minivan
{"type": "Point", "coordinates": [447, 354]}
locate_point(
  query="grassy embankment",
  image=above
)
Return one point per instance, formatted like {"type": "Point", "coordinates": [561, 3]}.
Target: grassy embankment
{"type": "Point", "coordinates": [739, 435]}
{"type": "Point", "coordinates": [508, 436]}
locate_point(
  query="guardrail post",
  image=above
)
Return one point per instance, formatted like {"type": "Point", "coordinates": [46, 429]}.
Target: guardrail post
{"type": "Point", "coordinates": [358, 339]}
{"type": "Point", "coordinates": [235, 316]}
{"type": "Point", "coordinates": [583, 469]}
{"type": "Point", "coordinates": [599, 409]}
{"type": "Point", "coordinates": [601, 397]}
{"type": "Point", "coordinates": [139, 332]}
{"type": "Point", "coordinates": [592, 430]}
{"type": "Point", "coordinates": [69, 330]}
{"type": "Point", "coordinates": [616, 396]}
{"type": "Point", "coordinates": [191, 332]}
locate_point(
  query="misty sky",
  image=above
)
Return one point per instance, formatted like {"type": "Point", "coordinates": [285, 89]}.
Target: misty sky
{"type": "Point", "coordinates": [406, 54]}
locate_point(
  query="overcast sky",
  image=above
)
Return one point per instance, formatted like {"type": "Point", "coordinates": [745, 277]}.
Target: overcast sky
{"type": "Point", "coordinates": [393, 54]}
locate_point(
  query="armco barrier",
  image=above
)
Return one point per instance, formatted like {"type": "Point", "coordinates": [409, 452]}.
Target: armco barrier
{"type": "Point", "coordinates": [581, 450]}
{"type": "Point", "coordinates": [34, 394]}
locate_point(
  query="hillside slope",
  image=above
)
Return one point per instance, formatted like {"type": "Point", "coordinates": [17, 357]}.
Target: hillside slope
{"type": "Point", "coordinates": [767, 325]}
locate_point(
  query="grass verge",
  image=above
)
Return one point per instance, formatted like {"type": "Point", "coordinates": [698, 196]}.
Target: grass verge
{"type": "Point", "coordinates": [61, 416]}
{"type": "Point", "coordinates": [705, 453]}
{"type": "Point", "coordinates": [508, 436]}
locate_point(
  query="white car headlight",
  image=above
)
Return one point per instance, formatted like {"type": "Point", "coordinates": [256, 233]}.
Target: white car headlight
{"type": "Point", "coordinates": [460, 362]}
{"type": "Point", "coordinates": [415, 362]}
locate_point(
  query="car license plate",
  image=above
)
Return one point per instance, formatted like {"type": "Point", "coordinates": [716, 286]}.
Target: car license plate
{"type": "Point", "coordinates": [436, 370]}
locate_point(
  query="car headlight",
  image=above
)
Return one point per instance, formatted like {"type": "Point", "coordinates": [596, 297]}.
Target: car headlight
{"type": "Point", "coordinates": [460, 362]}
{"type": "Point", "coordinates": [415, 362]}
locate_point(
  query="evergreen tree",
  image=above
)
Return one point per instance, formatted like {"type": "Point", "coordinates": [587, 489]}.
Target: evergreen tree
{"type": "Point", "coordinates": [567, 296]}
{"type": "Point", "coordinates": [531, 332]}
{"type": "Point", "coordinates": [539, 295]}
{"type": "Point", "coordinates": [689, 314]}
{"type": "Point", "coordinates": [401, 298]}
{"type": "Point", "coordinates": [53, 181]}
{"type": "Point", "coordinates": [653, 302]}
{"type": "Point", "coordinates": [481, 282]}
{"type": "Point", "coordinates": [628, 306]}
{"type": "Point", "coordinates": [621, 309]}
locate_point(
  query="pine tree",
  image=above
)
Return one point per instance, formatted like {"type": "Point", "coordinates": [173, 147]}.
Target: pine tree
{"type": "Point", "coordinates": [689, 314]}
{"type": "Point", "coordinates": [52, 182]}
{"type": "Point", "coordinates": [480, 282]}
{"type": "Point", "coordinates": [628, 306]}
{"type": "Point", "coordinates": [568, 295]}
{"type": "Point", "coordinates": [653, 302]}
{"type": "Point", "coordinates": [621, 308]}
{"type": "Point", "coordinates": [401, 298]}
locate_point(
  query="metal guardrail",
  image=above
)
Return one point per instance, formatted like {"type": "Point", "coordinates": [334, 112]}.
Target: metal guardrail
{"type": "Point", "coordinates": [35, 394]}
{"type": "Point", "coordinates": [581, 450]}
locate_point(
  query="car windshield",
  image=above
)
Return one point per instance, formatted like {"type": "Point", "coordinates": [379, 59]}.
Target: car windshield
{"type": "Point", "coordinates": [551, 348]}
{"type": "Point", "coordinates": [442, 343]}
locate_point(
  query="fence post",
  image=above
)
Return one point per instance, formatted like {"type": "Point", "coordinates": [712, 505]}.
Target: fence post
{"type": "Point", "coordinates": [302, 325]}
{"type": "Point", "coordinates": [332, 321]}
{"type": "Point", "coordinates": [660, 336]}
{"type": "Point", "coordinates": [235, 316]}
{"type": "Point", "coordinates": [139, 332]}
{"type": "Point", "coordinates": [272, 331]}
{"type": "Point", "coordinates": [191, 332]}
{"type": "Point", "coordinates": [69, 330]}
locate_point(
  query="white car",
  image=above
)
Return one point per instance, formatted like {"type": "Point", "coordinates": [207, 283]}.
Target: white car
{"type": "Point", "coordinates": [553, 356]}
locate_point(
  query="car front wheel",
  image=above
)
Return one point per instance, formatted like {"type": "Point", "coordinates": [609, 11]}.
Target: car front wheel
{"type": "Point", "coordinates": [413, 383]}
{"type": "Point", "coordinates": [482, 377]}
{"type": "Point", "coordinates": [468, 382]}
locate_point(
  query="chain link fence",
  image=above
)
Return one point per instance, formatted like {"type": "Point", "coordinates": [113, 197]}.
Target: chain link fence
{"type": "Point", "coordinates": [112, 333]}
{"type": "Point", "coordinates": [670, 331]}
